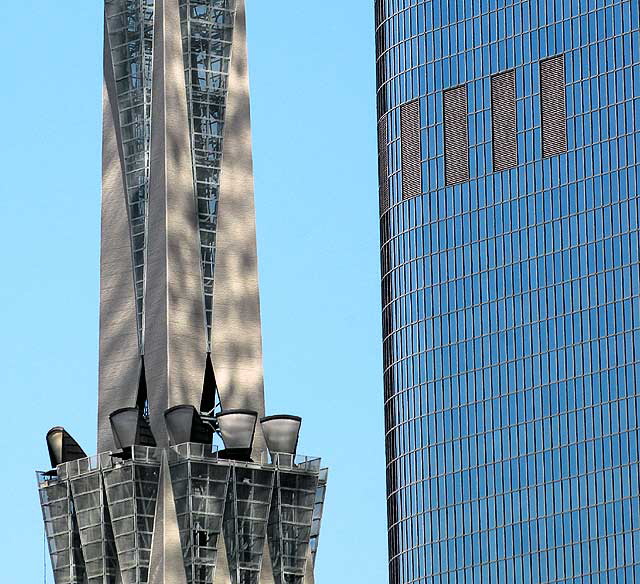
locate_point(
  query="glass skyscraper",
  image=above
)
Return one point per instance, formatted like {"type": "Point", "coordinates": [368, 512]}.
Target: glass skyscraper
{"type": "Point", "coordinates": [509, 150]}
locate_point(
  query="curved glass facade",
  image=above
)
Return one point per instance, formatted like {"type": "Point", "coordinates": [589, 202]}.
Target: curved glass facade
{"type": "Point", "coordinates": [511, 289]}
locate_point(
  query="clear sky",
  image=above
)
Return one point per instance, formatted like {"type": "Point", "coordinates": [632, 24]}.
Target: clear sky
{"type": "Point", "coordinates": [313, 89]}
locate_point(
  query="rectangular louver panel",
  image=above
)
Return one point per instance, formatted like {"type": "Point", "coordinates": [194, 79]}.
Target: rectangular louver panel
{"type": "Point", "coordinates": [411, 149]}
{"type": "Point", "coordinates": [383, 164]}
{"type": "Point", "coordinates": [503, 117]}
{"type": "Point", "coordinates": [553, 106]}
{"type": "Point", "coordinates": [456, 135]}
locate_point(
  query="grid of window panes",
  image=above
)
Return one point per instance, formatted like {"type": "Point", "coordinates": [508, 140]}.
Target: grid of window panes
{"type": "Point", "coordinates": [200, 482]}
{"type": "Point", "coordinates": [61, 529]}
{"type": "Point", "coordinates": [131, 489]}
{"type": "Point", "coordinates": [94, 521]}
{"type": "Point", "coordinates": [290, 523]}
{"type": "Point", "coordinates": [207, 34]}
{"type": "Point", "coordinates": [130, 35]}
{"type": "Point", "coordinates": [246, 517]}
{"type": "Point", "coordinates": [511, 302]}
{"type": "Point", "coordinates": [318, 511]}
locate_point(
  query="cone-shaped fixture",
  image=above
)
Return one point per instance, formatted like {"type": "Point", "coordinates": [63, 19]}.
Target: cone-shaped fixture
{"type": "Point", "coordinates": [281, 433]}
{"type": "Point", "coordinates": [130, 428]}
{"type": "Point", "coordinates": [184, 424]}
{"type": "Point", "coordinates": [237, 428]}
{"type": "Point", "coordinates": [62, 447]}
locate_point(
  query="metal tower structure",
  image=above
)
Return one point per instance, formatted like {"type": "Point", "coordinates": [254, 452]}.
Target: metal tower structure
{"type": "Point", "coordinates": [180, 331]}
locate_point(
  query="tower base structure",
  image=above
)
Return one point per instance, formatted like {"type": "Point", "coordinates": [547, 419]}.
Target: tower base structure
{"type": "Point", "coordinates": [183, 515]}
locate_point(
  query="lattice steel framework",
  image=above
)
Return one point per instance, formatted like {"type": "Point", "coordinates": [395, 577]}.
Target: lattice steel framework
{"type": "Point", "coordinates": [207, 36]}
{"type": "Point", "coordinates": [291, 517]}
{"type": "Point", "coordinates": [245, 521]}
{"type": "Point", "coordinates": [174, 210]}
{"type": "Point", "coordinates": [94, 521]}
{"type": "Point", "coordinates": [129, 26]}
{"type": "Point", "coordinates": [100, 514]}
{"type": "Point", "coordinates": [132, 494]}
{"type": "Point", "coordinates": [318, 511]}
{"type": "Point", "coordinates": [61, 528]}
{"type": "Point", "coordinates": [200, 486]}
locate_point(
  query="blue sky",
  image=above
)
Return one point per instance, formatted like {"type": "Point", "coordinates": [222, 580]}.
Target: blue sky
{"type": "Point", "coordinates": [313, 89]}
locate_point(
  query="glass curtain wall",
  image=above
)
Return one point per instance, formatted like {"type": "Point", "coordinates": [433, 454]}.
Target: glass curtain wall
{"type": "Point", "coordinates": [511, 290]}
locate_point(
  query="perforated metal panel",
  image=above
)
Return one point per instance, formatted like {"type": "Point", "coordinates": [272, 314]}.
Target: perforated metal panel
{"type": "Point", "coordinates": [553, 105]}
{"type": "Point", "coordinates": [503, 115]}
{"type": "Point", "coordinates": [411, 149]}
{"type": "Point", "coordinates": [456, 135]}
{"type": "Point", "coordinates": [383, 164]}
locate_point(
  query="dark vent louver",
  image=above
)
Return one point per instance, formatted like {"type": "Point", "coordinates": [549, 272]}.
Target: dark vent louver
{"type": "Point", "coordinates": [456, 135]}
{"type": "Point", "coordinates": [383, 164]}
{"type": "Point", "coordinates": [553, 106]}
{"type": "Point", "coordinates": [503, 114]}
{"type": "Point", "coordinates": [411, 149]}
